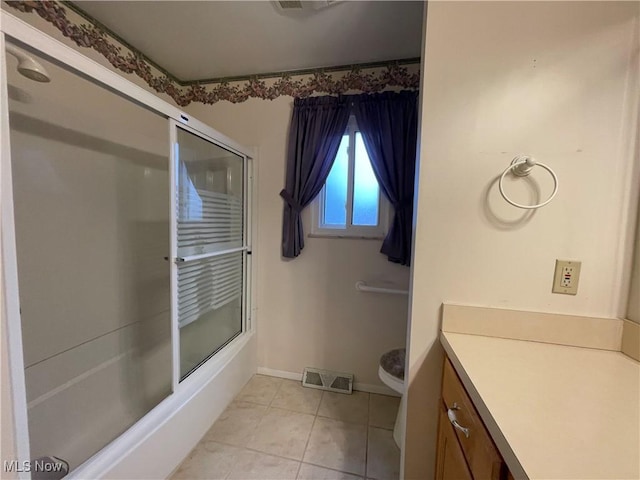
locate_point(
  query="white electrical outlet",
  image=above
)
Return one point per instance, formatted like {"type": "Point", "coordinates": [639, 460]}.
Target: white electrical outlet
{"type": "Point", "coordinates": [566, 277]}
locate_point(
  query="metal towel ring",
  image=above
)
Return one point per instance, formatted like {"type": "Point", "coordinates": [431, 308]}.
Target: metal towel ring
{"type": "Point", "coordinates": [521, 166]}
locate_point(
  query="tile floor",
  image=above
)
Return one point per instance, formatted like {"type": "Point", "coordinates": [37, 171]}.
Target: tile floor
{"type": "Point", "coordinates": [276, 429]}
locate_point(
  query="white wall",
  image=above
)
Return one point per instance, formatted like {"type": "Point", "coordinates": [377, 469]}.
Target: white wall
{"type": "Point", "coordinates": [552, 79]}
{"type": "Point", "coordinates": [309, 313]}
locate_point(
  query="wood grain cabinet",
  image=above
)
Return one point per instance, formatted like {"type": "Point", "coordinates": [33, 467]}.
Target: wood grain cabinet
{"type": "Point", "coordinates": [465, 450]}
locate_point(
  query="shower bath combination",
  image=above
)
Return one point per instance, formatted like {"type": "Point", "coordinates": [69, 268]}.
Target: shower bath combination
{"type": "Point", "coordinates": [111, 346]}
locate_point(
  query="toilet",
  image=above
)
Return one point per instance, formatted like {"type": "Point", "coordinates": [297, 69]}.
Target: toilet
{"type": "Point", "coordinates": [391, 372]}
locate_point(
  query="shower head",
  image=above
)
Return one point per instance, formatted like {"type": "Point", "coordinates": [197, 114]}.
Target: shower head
{"type": "Point", "coordinates": [27, 66]}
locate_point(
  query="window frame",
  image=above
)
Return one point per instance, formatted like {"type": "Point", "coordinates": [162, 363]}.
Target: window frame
{"type": "Point", "coordinates": [377, 232]}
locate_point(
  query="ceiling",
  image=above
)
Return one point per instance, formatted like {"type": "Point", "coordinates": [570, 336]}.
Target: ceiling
{"type": "Point", "coordinates": [195, 40]}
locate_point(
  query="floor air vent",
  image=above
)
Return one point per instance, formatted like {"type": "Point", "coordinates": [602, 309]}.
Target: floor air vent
{"type": "Point", "coordinates": [326, 380]}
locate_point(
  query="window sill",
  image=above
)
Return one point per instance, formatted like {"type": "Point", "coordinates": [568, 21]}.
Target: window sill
{"type": "Point", "coordinates": [347, 236]}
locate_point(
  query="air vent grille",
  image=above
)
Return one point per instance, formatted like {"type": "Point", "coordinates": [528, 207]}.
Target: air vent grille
{"type": "Point", "coordinates": [307, 5]}
{"type": "Point", "coordinates": [288, 4]}
{"type": "Point", "coordinates": [327, 380]}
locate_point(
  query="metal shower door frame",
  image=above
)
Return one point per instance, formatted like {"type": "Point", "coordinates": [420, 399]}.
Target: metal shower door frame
{"type": "Point", "coordinates": [245, 248]}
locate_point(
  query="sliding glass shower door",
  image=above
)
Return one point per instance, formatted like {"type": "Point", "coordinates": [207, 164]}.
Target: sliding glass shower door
{"type": "Point", "coordinates": [91, 203]}
{"type": "Point", "coordinates": [211, 247]}
{"type": "Point", "coordinates": [131, 258]}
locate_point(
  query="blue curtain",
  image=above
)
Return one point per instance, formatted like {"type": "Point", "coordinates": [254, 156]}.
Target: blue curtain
{"type": "Point", "coordinates": [388, 123]}
{"type": "Point", "coordinates": [317, 126]}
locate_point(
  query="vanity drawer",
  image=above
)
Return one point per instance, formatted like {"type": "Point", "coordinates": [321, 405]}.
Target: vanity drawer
{"type": "Point", "coordinates": [481, 455]}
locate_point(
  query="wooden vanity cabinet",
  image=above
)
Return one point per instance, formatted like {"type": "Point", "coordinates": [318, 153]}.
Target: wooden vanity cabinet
{"type": "Point", "coordinates": [465, 452]}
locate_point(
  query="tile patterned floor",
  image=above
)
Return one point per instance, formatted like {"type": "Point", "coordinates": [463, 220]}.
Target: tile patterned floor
{"type": "Point", "coordinates": [276, 429]}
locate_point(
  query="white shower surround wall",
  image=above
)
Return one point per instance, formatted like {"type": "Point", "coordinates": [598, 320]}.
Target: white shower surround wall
{"type": "Point", "coordinates": [149, 448]}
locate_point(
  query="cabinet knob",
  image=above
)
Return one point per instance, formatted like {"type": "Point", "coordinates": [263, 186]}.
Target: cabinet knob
{"type": "Point", "coordinates": [451, 413]}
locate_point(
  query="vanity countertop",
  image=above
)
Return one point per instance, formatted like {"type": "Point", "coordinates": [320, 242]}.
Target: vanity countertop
{"type": "Point", "coordinates": [554, 411]}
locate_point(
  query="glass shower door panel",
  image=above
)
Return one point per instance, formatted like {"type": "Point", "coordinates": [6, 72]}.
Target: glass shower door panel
{"type": "Point", "coordinates": [210, 197]}
{"type": "Point", "coordinates": [91, 194]}
{"type": "Point", "coordinates": [210, 247]}
{"type": "Point", "coordinates": [209, 307]}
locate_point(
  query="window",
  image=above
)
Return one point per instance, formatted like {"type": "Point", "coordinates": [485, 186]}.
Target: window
{"type": "Point", "coordinates": [350, 204]}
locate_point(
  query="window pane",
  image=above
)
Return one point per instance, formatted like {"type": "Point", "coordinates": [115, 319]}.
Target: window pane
{"type": "Point", "coordinates": [335, 190]}
{"type": "Point", "coordinates": [366, 192]}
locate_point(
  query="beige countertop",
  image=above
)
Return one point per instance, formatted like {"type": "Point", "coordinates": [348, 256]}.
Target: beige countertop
{"type": "Point", "coordinates": [554, 411]}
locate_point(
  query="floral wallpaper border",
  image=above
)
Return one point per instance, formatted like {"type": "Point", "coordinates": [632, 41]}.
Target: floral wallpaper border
{"type": "Point", "coordinates": [363, 79]}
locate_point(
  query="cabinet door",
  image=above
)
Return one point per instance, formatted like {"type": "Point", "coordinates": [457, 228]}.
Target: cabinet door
{"type": "Point", "coordinates": [481, 454]}
{"type": "Point", "coordinates": [450, 461]}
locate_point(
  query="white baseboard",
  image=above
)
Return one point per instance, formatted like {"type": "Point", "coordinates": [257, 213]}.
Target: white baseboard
{"type": "Point", "coordinates": [631, 339]}
{"type": "Point", "coordinates": [270, 372]}
{"type": "Point", "coordinates": [379, 389]}
{"type": "Point", "coordinates": [361, 387]}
